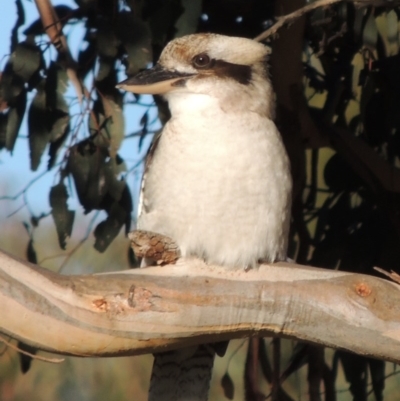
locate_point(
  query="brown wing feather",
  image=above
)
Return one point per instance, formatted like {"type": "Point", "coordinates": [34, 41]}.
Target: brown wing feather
{"type": "Point", "coordinates": [147, 164]}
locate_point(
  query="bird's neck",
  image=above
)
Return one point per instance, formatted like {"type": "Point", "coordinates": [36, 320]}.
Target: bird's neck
{"type": "Point", "coordinates": [184, 104]}
{"type": "Point", "coordinates": [228, 102]}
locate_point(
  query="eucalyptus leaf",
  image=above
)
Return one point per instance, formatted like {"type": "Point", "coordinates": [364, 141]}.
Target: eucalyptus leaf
{"type": "Point", "coordinates": [370, 32]}
{"type": "Point", "coordinates": [62, 216]}
{"type": "Point", "coordinates": [38, 128]}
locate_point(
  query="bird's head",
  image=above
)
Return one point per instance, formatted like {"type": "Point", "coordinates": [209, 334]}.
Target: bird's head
{"type": "Point", "coordinates": [211, 65]}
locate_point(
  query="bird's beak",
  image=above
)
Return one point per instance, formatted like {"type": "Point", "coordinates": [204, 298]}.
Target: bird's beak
{"type": "Point", "coordinates": [154, 81]}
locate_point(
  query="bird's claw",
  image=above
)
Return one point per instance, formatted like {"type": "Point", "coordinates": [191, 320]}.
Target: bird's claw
{"type": "Point", "coordinates": [157, 247]}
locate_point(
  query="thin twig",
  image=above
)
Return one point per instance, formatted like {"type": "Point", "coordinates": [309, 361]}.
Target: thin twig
{"type": "Point", "coordinates": [287, 19]}
{"type": "Point", "coordinates": [33, 356]}
{"type": "Point", "coordinates": [393, 275]}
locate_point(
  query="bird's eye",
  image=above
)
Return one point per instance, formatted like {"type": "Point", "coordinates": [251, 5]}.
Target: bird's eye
{"type": "Point", "coordinates": [202, 60]}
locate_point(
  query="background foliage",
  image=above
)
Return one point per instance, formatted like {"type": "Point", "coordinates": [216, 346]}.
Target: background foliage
{"type": "Point", "coordinates": [336, 74]}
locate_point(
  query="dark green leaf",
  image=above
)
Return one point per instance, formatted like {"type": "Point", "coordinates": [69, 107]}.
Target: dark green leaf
{"type": "Point", "coordinates": [188, 20]}
{"type": "Point", "coordinates": [48, 118]}
{"type": "Point", "coordinates": [107, 40]}
{"type": "Point", "coordinates": [86, 164]}
{"type": "Point", "coordinates": [377, 369]}
{"type": "Point", "coordinates": [15, 115]}
{"type": "Point", "coordinates": [228, 386]}
{"type": "Point", "coordinates": [369, 89]}
{"type": "Point", "coordinates": [63, 218]}
{"type": "Point", "coordinates": [38, 125]}
{"type": "Point", "coordinates": [119, 214]}
{"type": "Point", "coordinates": [108, 229]}
{"type": "Point", "coordinates": [31, 253]}
{"type": "Point", "coordinates": [107, 122]}
{"type": "Point", "coordinates": [162, 15]}
{"type": "Point", "coordinates": [358, 23]}
{"type": "Point", "coordinates": [355, 371]}
{"type": "Point", "coordinates": [298, 359]}
{"type": "Point", "coordinates": [370, 32]}
{"type": "Point", "coordinates": [3, 129]}
{"type": "Point", "coordinates": [143, 122]}
{"type": "Point", "coordinates": [135, 36]}
{"type": "Point", "coordinates": [134, 262]}
{"type": "Point", "coordinates": [56, 84]}
{"type": "Point", "coordinates": [11, 86]}
{"type": "Point", "coordinates": [25, 360]}
{"type": "Point", "coordinates": [105, 233]}
{"type": "Point", "coordinates": [55, 146]}
{"type": "Point", "coordinates": [26, 60]}
{"type": "Point", "coordinates": [339, 176]}
{"type": "Point", "coordinates": [392, 27]}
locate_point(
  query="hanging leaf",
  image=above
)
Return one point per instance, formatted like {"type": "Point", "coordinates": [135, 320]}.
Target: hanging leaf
{"type": "Point", "coordinates": [392, 29]}
{"type": "Point", "coordinates": [11, 86]}
{"type": "Point", "coordinates": [31, 252]}
{"type": "Point", "coordinates": [298, 359]}
{"type": "Point", "coordinates": [27, 60]}
{"type": "Point", "coordinates": [377, 369]}
{"type": "Point", "coordinates": [135, 36]}
{"type": "Point", "coordinates": [10, 122]}
{"type": "Point", "coordinates": [57, 109]}
{"type": "Point", "coordinates": [56, 84]}
{"type": "Point", "coordinates": [39, 132]}
{"type": "Point", "coordinates": [354, 367]}
{"type": "Point", "coordinates": [107, 230]}
{"type": "Point", "coordinates": [25, 361]}
{"type": "Point", "coordinates": [3, 129]}
{"type": "Point", "coordinates": [63, 218]}
{"type": "Point", "coordinates": [15, 116]}
{"type": "Point", "coordinates": [119, 214]}
{"type": "Point", "coordinates": [161, 16]}
{"type": "Point", "coordinates": [188, 20]}
{"type": "Point", "coordinates": [86, 163]}
{"type": "Point", "coordinates": [48, 120]}
{"type": "Point", "coordinates": [143, 122]}
{"type": "Point", "coordinates": [115, 124]}
{"type": "Point", "coordinates": [95, 174]}
{"type": "Point", "coordinates": [358, 23]}
{"type": "Point", "coordinates": [339, 176]}
{"type": "Point", "coordinates": [370, 32]}
{"type": "Point", "coordinates": [114, 185]}
{"type": "Point", "coordinates": [107, 41]}
{"type": "Point", "coordinates": [107, 123]}
{"type": "Point", "coordinates": [133, 260]}
{"type": "Point", "coordinates": [228, 386]}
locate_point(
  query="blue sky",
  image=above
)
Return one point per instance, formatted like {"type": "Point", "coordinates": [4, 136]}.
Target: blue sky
{"type": "Point", "coordinates": [15, 173]}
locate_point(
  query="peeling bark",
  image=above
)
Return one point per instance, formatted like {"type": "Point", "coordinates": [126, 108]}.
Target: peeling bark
{"type": "Point", "coordinates": [158, 308]}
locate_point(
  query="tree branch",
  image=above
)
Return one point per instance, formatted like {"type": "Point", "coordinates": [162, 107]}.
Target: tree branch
{"type": "Point", "coordinates": [289, 18]}
{"type": "Point", "coordinates": [159, 308]}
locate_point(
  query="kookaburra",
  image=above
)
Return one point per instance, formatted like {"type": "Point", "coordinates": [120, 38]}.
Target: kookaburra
{"type": "Point", "coordinates": [219, 180]}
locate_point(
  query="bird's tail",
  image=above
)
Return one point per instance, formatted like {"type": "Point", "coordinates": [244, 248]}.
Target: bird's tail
{"type": "Point", "coordinates": [182, 375]}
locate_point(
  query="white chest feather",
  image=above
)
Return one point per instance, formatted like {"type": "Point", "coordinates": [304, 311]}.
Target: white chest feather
{"type": "Point", "coordinates": [219, 185]}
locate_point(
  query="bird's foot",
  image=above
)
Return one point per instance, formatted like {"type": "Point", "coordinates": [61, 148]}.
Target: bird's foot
{"type": "Point", "coordinates": [157, 247]}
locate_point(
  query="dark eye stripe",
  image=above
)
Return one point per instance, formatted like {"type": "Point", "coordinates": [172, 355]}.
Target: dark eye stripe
{"type": "Point", "coordinates": [223, 69]}
{"type": "Point", "coordinates": [238, 72]}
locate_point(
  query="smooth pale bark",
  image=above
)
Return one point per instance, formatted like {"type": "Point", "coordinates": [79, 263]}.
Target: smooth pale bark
{"type": "Point", "coordinates": [153, 309]}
